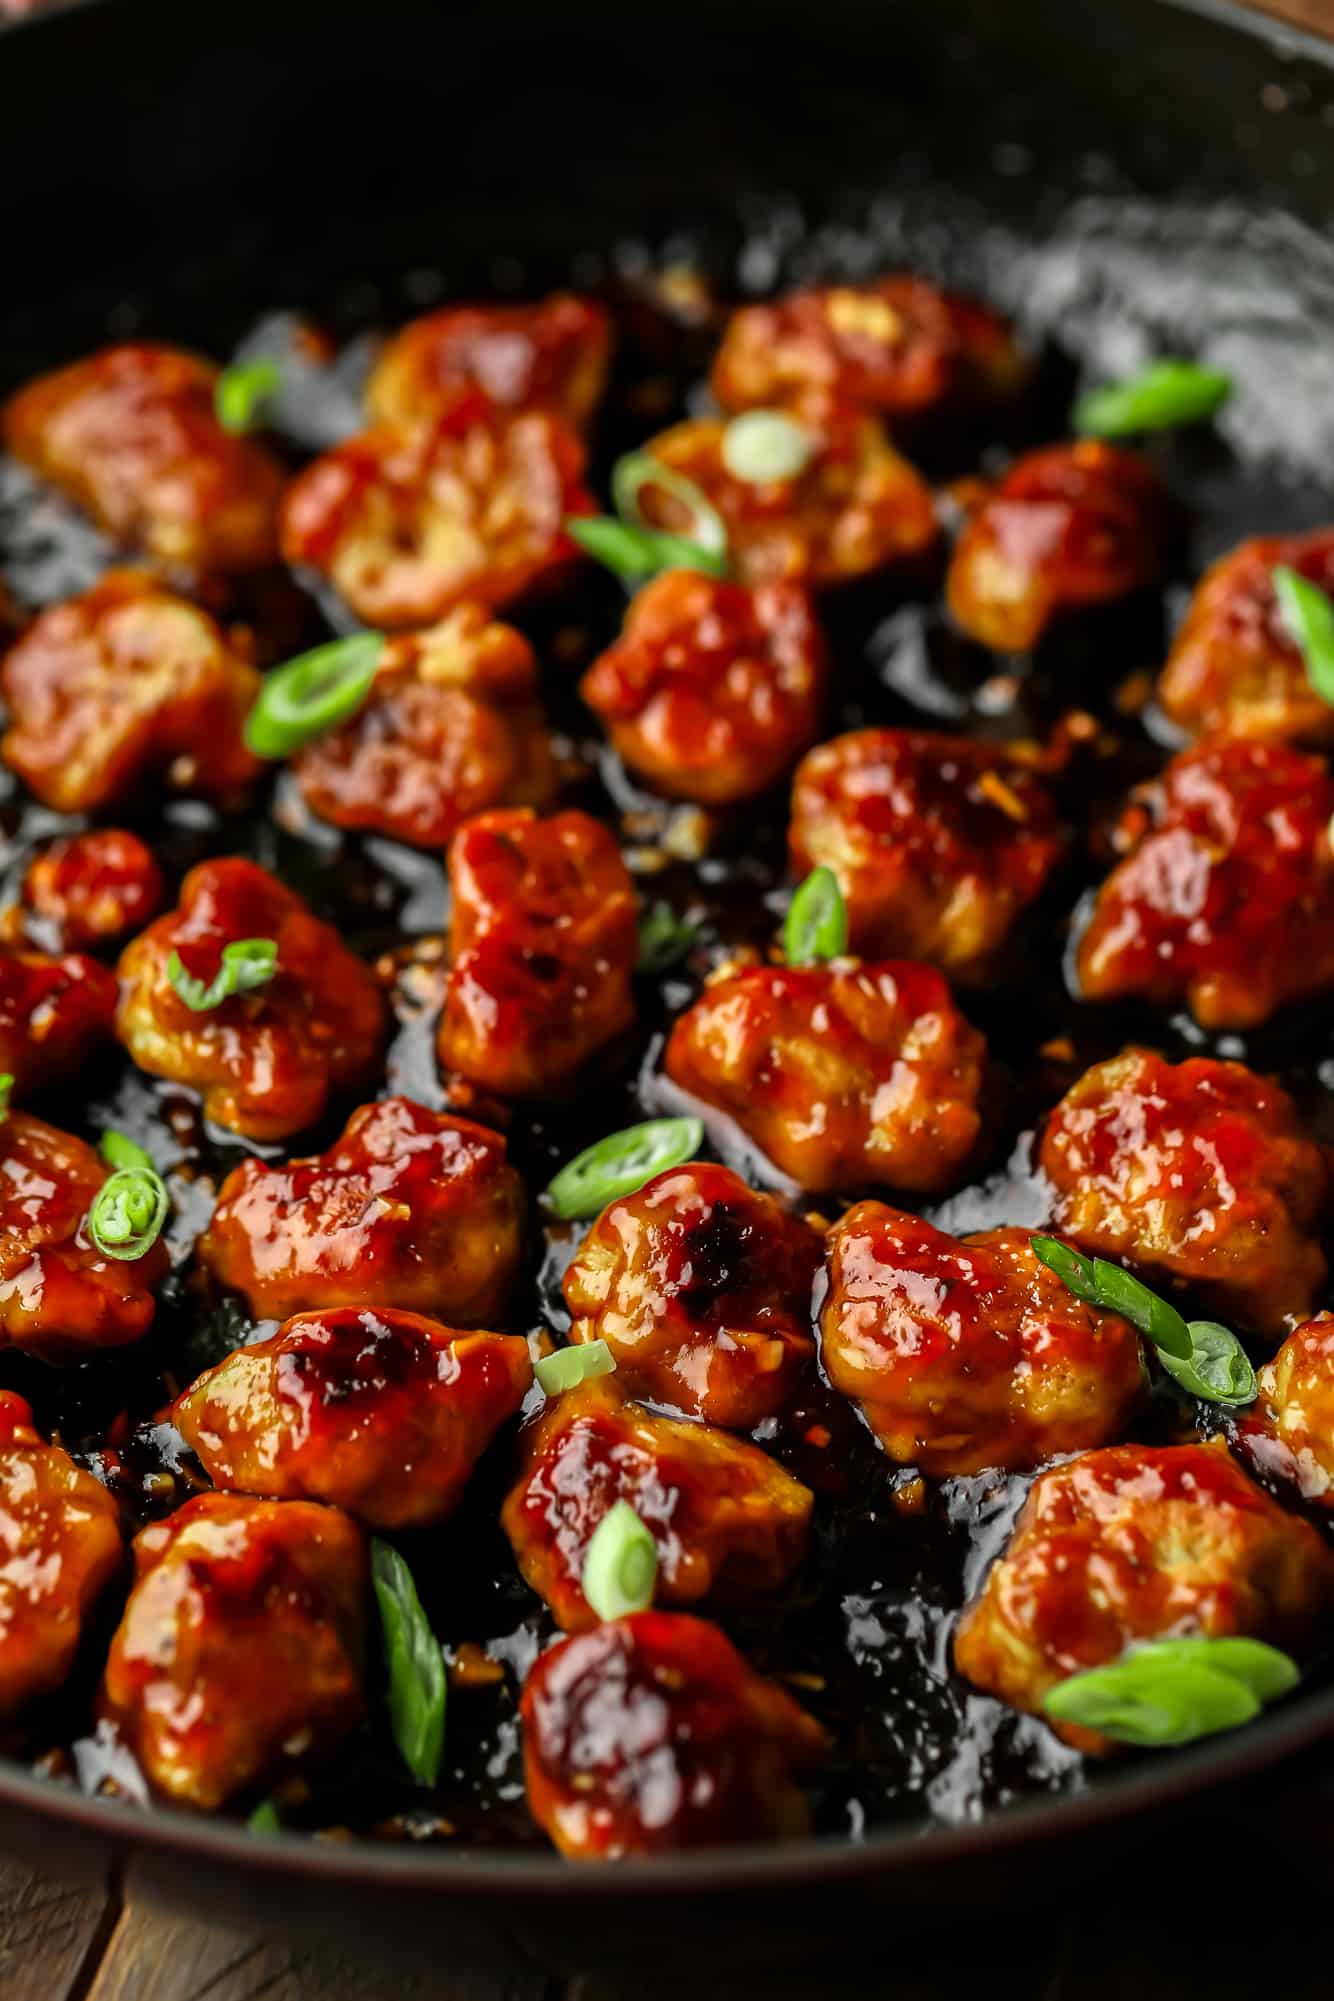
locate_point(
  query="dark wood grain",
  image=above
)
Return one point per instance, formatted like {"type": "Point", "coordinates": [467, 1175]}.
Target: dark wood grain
{"type": "Point", "coordinates": [153, 1955]}
{"type": "Point", "coordinates": [52, 1935]}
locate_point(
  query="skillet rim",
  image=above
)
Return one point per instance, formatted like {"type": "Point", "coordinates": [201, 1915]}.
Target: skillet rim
{"type": "Point", "coordinates": [1004, 1832]}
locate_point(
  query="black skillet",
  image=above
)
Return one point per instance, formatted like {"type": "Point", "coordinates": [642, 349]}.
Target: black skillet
{"type": "Point", "coordinates": [1104, 172]}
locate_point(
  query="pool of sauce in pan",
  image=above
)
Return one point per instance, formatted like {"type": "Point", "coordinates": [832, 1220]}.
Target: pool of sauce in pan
{"type": "Point", "coordinates": [863, 1633]}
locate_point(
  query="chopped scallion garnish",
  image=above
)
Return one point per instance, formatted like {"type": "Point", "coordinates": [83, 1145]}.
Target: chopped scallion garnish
{"type": "Point", "coordinates": [569, 1367]}
{"type": "Point", "coordinates": [246, 963]}
{"type": "Point", "coordinates": [620, 1164]}
{"type": "Point", "coordinates": [816, 926]}
{"type": "Point", "coordinates": [312, 694]}
{"type": "Point", "coordinates": [1166, 394]}
{"type": "Point", "coordinates": [621, 1564]}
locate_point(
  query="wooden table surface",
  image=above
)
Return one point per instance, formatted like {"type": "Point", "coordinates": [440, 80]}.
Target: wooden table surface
{"type": "Point", "coordinates": [59, 1943]}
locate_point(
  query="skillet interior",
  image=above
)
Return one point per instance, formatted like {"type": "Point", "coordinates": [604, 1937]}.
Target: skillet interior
{"type": "Point", "coordinates": [1079, 172]}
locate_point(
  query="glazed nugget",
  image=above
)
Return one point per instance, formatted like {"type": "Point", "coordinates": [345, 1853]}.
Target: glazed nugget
{"type": "Point", "coordinates": [1225, 898]}
{"type": "Point", "coordinates": [897, 344]}
{"type": "Point", "coordinates": [939, 844]}
{"type": "Point", "coordinates": [406, 524]}
{"type": "Point", "coordinates": [1068, 527]}
{"type": "Point", "coordinates": [840, 1073]}
{"type": "Point", "coordinates": [729, 1523]}
{"type": "Point", "coordinates": [60, 1547]}
{"type": "Point", "coordinates": [543, 942]}
{"type": "Point", "coordinates": [125, 688]}
{"type": "Point", "coordinates": [239, 1658]}
{"type": "Point", "coordinates": [548, 356]}
{"type": "Point", "coordinates": [964, 1353]}
{"type": "Point", "coordinates": [452, 725]}
{"type": "Point", "coordinates": [408, 1209]}
{"type": "Point", "coordinates": [62, 1299]}
{"type": "Point", "coordinates": [1135, 1543]}
{"type": "Point", "coordinates": [856, 507]}
{"type": "Point", "coordinates": [701, 1289]}
{"type": "Point", "coordinates": [383, 1414]}
{"type": "Point", "coordinates": [1290, 1428]}
{"type": "Point", "coordinates": [266, 1062]}
{"type": "Point", "coordinates": [1197, 1172]}
{"type": "Point", "coordinates": [1234, 667]}
{"type": "Point", "coordinates": [90, 889]}
{"type": "Point", "coordinates": [54, 1013]}
{"type": "Point", "coordinates": [712, 691]}
{"type": "Point", "coordinates": [653, 1734]}
{"type": "Point", "coordinates": [131, 436]}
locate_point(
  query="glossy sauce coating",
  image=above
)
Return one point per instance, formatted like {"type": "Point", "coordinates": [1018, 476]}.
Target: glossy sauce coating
{"type": "Point", "coordinates": [965, 1353]}
{"type": "Point", "coordinates": [701, 1288]}
{"type": "Point", "coordinates": [407, 1209]}
{"type": "Point", "coordinates": [1139, 1542]}
{"type": "Point", "coordinates": [939, 844]}
{"type": "Point", "coordinates": [406, 524]}
{"type": "Point", "coordinates": [543, 940]}
{"type": "Point", "coordinates": [896, 344]}
{"type": "Point", "coordinates": [1198, 1172]}
{"type": "Point", "coordinates": [239, 1658]}
{"type": "Point", "coordinates": [90, 889]}
{"type": "Point", "coordinates": [1234, 666]}
{"type": "Point", "coordinates": [384, 1414]}
{"type": "Point", "coordinates": [1290, 1427]}
{"type": "Point", "coordinates": [1068, 527]}
{"type": "Point", "coordinates": [127, 687]}
{"type": "Point", "coordinates": [843, 1074]}
{"type": "Point", "coordinates": [856, 507]}
{"type": "Point", "coordinates": [712, 691]}
{"type": "Point", "coordinates": [549, 356]}
{"type": "Point", "coordinates": [131, 436]}
{"type": "Point", "coordinates": [60, 1547]}
{"type": "Point", "coordinates": [653, 1734]}
{"type": "Point", "coordinates": [54, 1013]}
{"type": "Point", "coordinates": [730, 1524]}
{"type": "Point", "coordinates": [60, 1297]}
{"type": "Point", "coordinates": [452, 725]}
{"type": "Point", "coordinates": [1225, 898]}
{"type": "Point", "coordinates": [267, 1062]}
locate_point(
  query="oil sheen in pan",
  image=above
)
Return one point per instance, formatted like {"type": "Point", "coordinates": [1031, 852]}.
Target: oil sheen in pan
{"type": "Point", "coordinates": [863, 1631]}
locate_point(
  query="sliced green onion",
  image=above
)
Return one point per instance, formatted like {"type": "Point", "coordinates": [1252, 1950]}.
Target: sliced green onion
{"type": "Point", "coordinates": [1173, 1691]}
{"type": "Point", "coordinates": [247, 963]}
{"type": "Point", "coordinates": [635, 554]}
{"type": "Point", "coordinates": [664, 938]}
{"type": "Point", "coordinates": [764, 445]}
{"type": "Point", "coordinates": [1267, 1671]}
{"type": "Point", "coordinates": [621, 1564]}
{"type": "Point", "coordinates": [244, 391]}
{"type": "Point", "coordinates": [1156, 1318]}
{"type": "Point", "coordinates": [1070, 1266]}
{"type": "Point", "coordinates": [1217, 1369]}
{"type": "Point", "coordinates": [6, 1086]}
{"type": "Point", "coordinates": [1164, 395]}
{"type": "Point", "coordinates": [315, 692]}
{"type": "Point", "coordinates": [119, 1150]}
{"type": "Point", "coordinates": [1206, 1359]}
{"type": "Point", "coordinates": [619, 1164]}
{"type": "Point", "coordinates": [631, 474]}
{"type": "Point", "coordinates": [415, 1663]}
{"type": "Point", "coordinates": [265, 1820]}
{"type": "Point", "coordinates": [128, 1212]}
{"type": "Point", "coordinates": [816, 926]}
{"type": "Point", "coordinates": [569, 1367]}
{"type": "Point", "coordinates": [1309, 618]}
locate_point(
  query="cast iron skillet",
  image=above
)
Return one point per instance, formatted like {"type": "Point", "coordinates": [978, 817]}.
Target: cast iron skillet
{"type": "Point", "coordinates": [1102, 172]}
